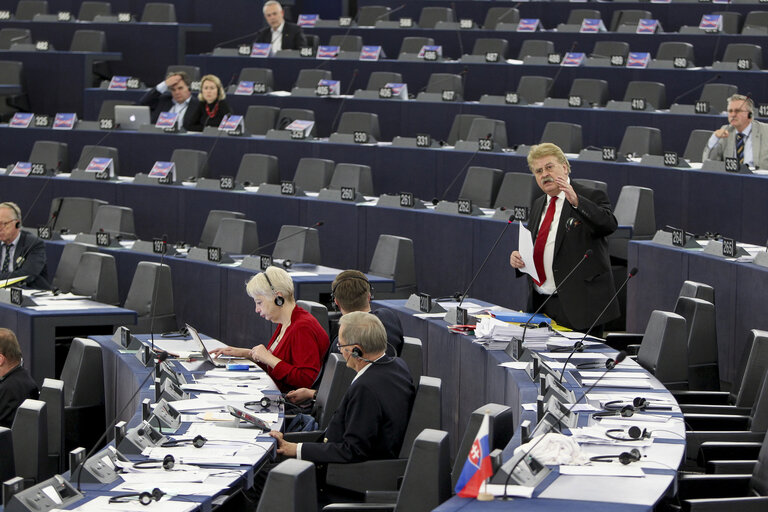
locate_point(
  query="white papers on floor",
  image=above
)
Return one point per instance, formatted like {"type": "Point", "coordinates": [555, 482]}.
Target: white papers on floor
{"type": "Point", "coordinates": [101, 503]}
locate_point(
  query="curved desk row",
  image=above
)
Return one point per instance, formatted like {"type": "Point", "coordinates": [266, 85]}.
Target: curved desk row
{"type": "Point", "coordinates": [524, 123]}
{"type": "Point", "coordinates": [123, 374]}
{"type": "Point", "coordinates": [673, 15]}
{"type": "Point", "coordinates": [739, 294]}
{"type": "Point", "coordinates": [472, 376]}
{"type": "Point", "coordinates": [426, 173]}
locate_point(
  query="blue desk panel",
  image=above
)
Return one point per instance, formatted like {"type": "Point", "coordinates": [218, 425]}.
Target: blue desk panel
{"type": "Point", "coordinates": [739, 294]}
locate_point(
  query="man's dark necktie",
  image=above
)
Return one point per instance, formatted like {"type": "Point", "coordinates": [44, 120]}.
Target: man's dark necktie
{"type": "Point", "coordinates": [7, 258]}
{"type": "Point", "coordinates": [740, 147]}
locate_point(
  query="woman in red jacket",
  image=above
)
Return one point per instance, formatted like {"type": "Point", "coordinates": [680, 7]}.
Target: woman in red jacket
{"type": "Point", "coordinates": [293, 356]}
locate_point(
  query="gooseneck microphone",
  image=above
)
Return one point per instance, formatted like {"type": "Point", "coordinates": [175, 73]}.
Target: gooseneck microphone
{"type": "Point", "coordinates": [619, 358]}
{"type": "Point", "coordinates": [435, 200]}
{"type": "Point", "coordinates": [579, 345]}
{"type": "Point", "coordinates": [162, 356]}
{"type": "Point", "coordinates": [307, 228]}
{"type": "Point", "coordinates": [482, 265]}
{"type": "Point", "coordinates": [697, 87]}
{"type": "Point", "coordinates": [344, 99]}
{"type": "Point", "coordinates": [219, 45]}
{"type": "Point", "coordinates": [557, 288]}
{"type": "Point", "coordinates": [154, 295]}
{"type": "Point", "coordinates": [393, 11]}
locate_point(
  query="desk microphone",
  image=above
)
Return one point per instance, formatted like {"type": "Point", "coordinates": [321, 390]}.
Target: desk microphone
{"type": "Point", "coordinates": [435, 200]}
{"type": "Point", "coordinates": [377, 18]}
{"type": "Point", "coordinates": [482, 266]}
{"type": "Point", "coordinates": [587, 254]}
{"type": "Point", "coordinates": [154, 295]}
{"type": "Point", "coordinates": [609, 366]}
{"type": "Point", "coordinates": [219, 45]}
{"type": "Point", "coordinates": [699, 86]}
{"type": "Point", "coordinates": [303, 230]}
{"type": "Point", "coordinates": [458, 33]}
{"type": "Point", "coordinates": [344, 99]}
{"type": "Point", "coordinates": [574, 44]}
{"type": "Point", "coordinates": [579, 345]}
{"type": "Point", "coordinates": [162, 356]}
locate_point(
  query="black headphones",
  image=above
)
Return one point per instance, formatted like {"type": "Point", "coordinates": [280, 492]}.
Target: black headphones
{"type": "Point", "coordinates": [279, 300]}
{"type": "Point", "coordinates": [625, 458]}
{"type": "Point", "coordinates": [145, 498]}
{"type": "Point", "coordinates": [198, 442]}
{"type": "Point", "coordinates": [350, 278]}
{"type": "Point", "coordinates": [167, 463]}
{"type": "Point", "coordinates": [265, 403]}
{"type": "Point", "coordinates": [625, 412]}
{"type": "Point", "coordinates": [638, 404]}
{"type": "Point", "coordinates": [16, 212]}
{"type": "Point", "coordinates": [634, 433]}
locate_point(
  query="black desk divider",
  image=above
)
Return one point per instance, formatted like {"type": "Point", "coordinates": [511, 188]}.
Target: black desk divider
{"type": "Point", "coordinates": [91, 239]}
{"type": "Point", "coordinates": [596, 155]}
{"type": "Point", "coordinates": [394, 202]}
{"type": "Point", "coordinates": [215, 184]}
{"type": "Point", "coordinates": [665, 238]}
{"type": "Point", "coordinates": [125, 339]}
{"type": "Point", "coordinates": [414, 302]}
{"type": "Point", "coordinates": [201, 254]}
{"type": "Point", "coordinates": [15, 297]}
{"type": "Point", "coordinates": [328, 194]}
{"type": "Point", "coordinates": [38, 497]}
{"type": "Point", "coordinates": [658, 161]}
{"type": "Point", "coordinates": [147, 247]}
{"type": "Point", "coordinates": [453, 208]}
{"type": "Point", "coordinates": [276, 189]}
{"type": "Point", "coordinates": [715, 248]}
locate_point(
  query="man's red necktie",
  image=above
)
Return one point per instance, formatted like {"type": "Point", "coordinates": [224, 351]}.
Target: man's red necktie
{"type": "Point", "coordinates": [541, 241]}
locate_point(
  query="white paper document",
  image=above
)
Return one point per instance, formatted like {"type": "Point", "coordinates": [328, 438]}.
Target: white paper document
{"type": "Point", "coordinates": [604, 469]}
{"type": "Point", "coordinates": [101, 503]}
{"type": "Point", "coordinates": [525, 247]}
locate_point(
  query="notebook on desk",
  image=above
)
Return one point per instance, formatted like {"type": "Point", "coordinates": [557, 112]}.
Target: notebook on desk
{"type": "Point", "coordinates": [221, 361]}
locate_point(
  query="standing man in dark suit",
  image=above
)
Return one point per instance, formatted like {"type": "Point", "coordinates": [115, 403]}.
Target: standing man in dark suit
{"type": "Point", "coordinates": [281, 34]}
{"type": "Point", "coordinates": [21, 253]}
{"type": "Point", "coordinates": [172, 95]}
{"type": "Point", "coordinates": [565, 223]}
{"type": "Point", "coordinates": [371, 420]}
{"type": "Point", "coordinates": [742, 138]}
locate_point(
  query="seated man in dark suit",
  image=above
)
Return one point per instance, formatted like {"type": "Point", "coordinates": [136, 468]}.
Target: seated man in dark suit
{"type": "Point", "coordinates": [281, 34]}
{"type": "Point", "coordinates": [172, 95]}
{"type": "Point", "coordinates": [351, 291]}
{"type": "Point", "coordinates": [21, 253]}
{"type": "Point", "coordinates": [16, 385]}
{"type": "Point", "coordinates": [371, 420]}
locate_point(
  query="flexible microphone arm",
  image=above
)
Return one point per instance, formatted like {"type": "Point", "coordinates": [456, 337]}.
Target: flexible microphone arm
{"type": "Point", "coordinates": [692, 89]}
{"type": "Point", "coordinates": [435, 201]}
{"type": "Point", "coordinates": [162, 356]}
{"type": "Point", "coordinates": [307, 228]}
{"type": "Point", "coordinates": [609, 365]}
{"type": "Point", "coordinates": [579, 344]}
{"type": "Point", "coordinates": [464, 295]}
{"type": "Point", "coordinates": [557, 288]}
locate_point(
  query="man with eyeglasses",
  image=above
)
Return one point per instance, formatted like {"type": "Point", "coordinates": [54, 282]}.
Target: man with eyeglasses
{"type": "Point", "coordinates": [21, 253]}
{"type": "Point", "coordinates": [566, 223]}
{"type": "Point", "coordinates": [742, 138]}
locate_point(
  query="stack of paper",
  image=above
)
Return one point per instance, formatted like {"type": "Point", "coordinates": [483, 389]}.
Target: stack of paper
{"type": "Point", "coordinates": [491, 328]}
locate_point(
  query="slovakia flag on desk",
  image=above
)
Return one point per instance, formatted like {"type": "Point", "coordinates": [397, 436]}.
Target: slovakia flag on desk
{"type": "Point", "coordinates": [477, 469]}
